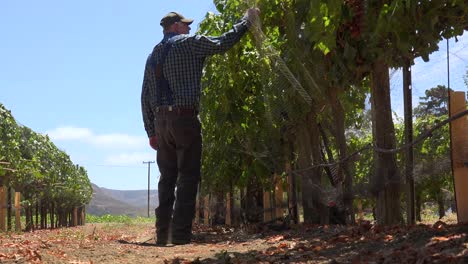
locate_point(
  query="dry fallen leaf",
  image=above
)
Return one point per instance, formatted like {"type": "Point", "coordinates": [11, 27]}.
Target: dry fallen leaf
{"type": "Point", "coordinates": [317, 249]}
{"type": "Point", "coordinates": [275, 239]}
{"type": "Point", "coordinates": [440, 239]}
{"type": "Point", "coordinates": [388, 238]}
{"type": "Point", "coordinates": [283, 245]}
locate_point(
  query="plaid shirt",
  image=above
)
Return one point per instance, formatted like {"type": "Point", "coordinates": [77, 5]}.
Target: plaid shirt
{"type": "Point", "coordinates": [183, 69]}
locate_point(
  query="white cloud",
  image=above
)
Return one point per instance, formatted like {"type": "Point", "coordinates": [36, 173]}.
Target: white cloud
{"type": "Point", "coordinates": [113, 140]}
{"type": "Point", "coordinates": [130, 158]}
{"type": "Point", "coordinates": [122, 140]}
{"type": "Point", "coordinates": [69, 133]}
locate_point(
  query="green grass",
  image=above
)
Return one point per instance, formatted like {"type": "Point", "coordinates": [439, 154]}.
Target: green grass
{"type": "Point", "coordinates": [124, 219]}
{"type": "Point", "coordinates": [429, 216]}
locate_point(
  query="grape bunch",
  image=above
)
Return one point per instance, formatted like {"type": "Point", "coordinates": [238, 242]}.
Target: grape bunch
{"type": "Point", "coordinates": [356, 23]}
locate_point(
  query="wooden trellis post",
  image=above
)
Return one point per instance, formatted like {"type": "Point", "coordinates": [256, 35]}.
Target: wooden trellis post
{"type": "Point", "coordinates": [278, 197]}
{"type": "Point", "coordinates": [459, 148]}
{"type": "Point", "coordinates": [196, 220]}
{"type": "Point", "coordinates": [292, 197]}
{"type": "Point", "coordinates": [75, 216]}
{"type": "Point", "coordinates": [206, 210]}
{"type": "Point", "coordinates": [3, 208]}
{"type": "Point", "coordinates": [17, 211]}
{"type": "Point", "coordinates": [83, 216]}
{"type": "Point", "coordinates": [198, 199]}
{"type": "Point", "coordinates": [228, 209]}
{"type": "Point", "coordinates": [267, 210]}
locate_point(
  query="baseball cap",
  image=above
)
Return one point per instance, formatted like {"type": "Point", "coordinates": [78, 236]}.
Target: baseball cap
{"type": "Point", "coordinates": [173, 17]}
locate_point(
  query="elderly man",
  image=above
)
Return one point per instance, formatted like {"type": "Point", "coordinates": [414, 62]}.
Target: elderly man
{"type": "Point", "coordinates": [170, 102]}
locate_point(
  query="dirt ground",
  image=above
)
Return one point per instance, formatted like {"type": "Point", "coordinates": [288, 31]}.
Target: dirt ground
{"type": "Point", "coordinates": [134, 243]}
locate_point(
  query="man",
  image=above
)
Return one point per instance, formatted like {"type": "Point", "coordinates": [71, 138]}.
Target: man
{"type": "Point", "coordinates": [170, 102]}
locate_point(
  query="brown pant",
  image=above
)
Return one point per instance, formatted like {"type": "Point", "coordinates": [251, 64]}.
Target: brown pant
{"type": "Point", "coordinates": [179, 158]}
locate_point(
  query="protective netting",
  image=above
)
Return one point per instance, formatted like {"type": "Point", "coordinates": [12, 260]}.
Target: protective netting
{"type": "Point", "coordinates": [287, 101]}
{"type": "Point", "coordinates": [291, 89]}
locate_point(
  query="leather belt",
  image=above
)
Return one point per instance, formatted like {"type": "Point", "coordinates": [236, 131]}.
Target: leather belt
{"type": "Point", "coordinates": [177, 110]}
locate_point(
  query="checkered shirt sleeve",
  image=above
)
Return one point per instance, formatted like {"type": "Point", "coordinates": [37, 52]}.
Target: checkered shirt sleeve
{"type": "Point", "coordinates": [183, 69]}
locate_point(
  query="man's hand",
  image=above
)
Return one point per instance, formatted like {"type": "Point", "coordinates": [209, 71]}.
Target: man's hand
{"type": "Point", "coordinates": [252, 15]}
{"type": "Point", "coordinates": [153, 141]}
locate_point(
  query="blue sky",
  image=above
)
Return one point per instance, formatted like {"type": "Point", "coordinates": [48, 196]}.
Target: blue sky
{"type": "Point", "coordinates": [426, 75]}
{"type": "Point", "coordinates": [73, 70]}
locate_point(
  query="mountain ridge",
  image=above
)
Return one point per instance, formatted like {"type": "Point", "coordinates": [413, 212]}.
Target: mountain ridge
{"type": "Point", "coordinates": [121, 202]}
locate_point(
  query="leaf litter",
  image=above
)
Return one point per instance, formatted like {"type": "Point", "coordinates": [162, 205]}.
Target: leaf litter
{"type": "Point", "coordinates": [122, 243]}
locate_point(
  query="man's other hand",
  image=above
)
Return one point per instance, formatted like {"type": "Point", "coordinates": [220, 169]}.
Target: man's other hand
{"type": "Point", "coordinates": [153, 141]}
{"type": "Point", "coordinates": [252, 14]}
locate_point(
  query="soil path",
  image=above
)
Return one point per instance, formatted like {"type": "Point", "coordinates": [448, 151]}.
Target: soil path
{"type": "Point", "coordinates": [134, 243]}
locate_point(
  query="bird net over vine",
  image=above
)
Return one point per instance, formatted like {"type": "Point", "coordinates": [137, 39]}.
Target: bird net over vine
{"type": "Point", "coordinates": [300, 89]}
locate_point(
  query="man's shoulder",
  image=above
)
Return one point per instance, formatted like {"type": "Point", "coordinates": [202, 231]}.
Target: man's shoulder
{"type": "Point", "coordinates": [181, 38]}
{"type": "Point", "coordinates": [156, 50]}
{"type": "Point", "coordinates": [188, 38]}
{"type": "Point", "coordinates": [157, 47]}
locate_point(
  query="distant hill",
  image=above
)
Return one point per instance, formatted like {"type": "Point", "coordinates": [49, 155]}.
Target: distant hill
{"type": "Point", "coordinates": [119, 202]}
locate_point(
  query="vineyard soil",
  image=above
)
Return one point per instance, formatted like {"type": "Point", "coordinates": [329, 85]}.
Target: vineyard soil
{"type": "Point", "coordinates": [133, 243]}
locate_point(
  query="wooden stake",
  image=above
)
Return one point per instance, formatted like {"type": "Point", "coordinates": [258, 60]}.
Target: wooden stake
{"type": "Point", "coordinates": [292, 197]}
{"type": "Point", "coordinates": [198, 199]}
{"type": "Point", "coordinates": [267, 206]}
{"type": "Point", "coordinates": [83, 216]}
{"type": "Point", "coordinates": [359, 207]}
{"type": "Point", "coordinates": [2, 208]}
{"type": "Point", "coordinates": [228, 209]}
{"type": "Point", "coordinates": [279, 197]}
{"type": "Point", "coordinates": [17, 211]}
{"type": "Point", "coordinates": [459, 148]}
{"type": "Point", "coordinates": [196, 220]}
{"type": "Point", "coordinates": [409, 154]}
{"type": "Point", "coordinates": [206, 210]}
{"type": "Point", "coordinates": [75, 216]}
